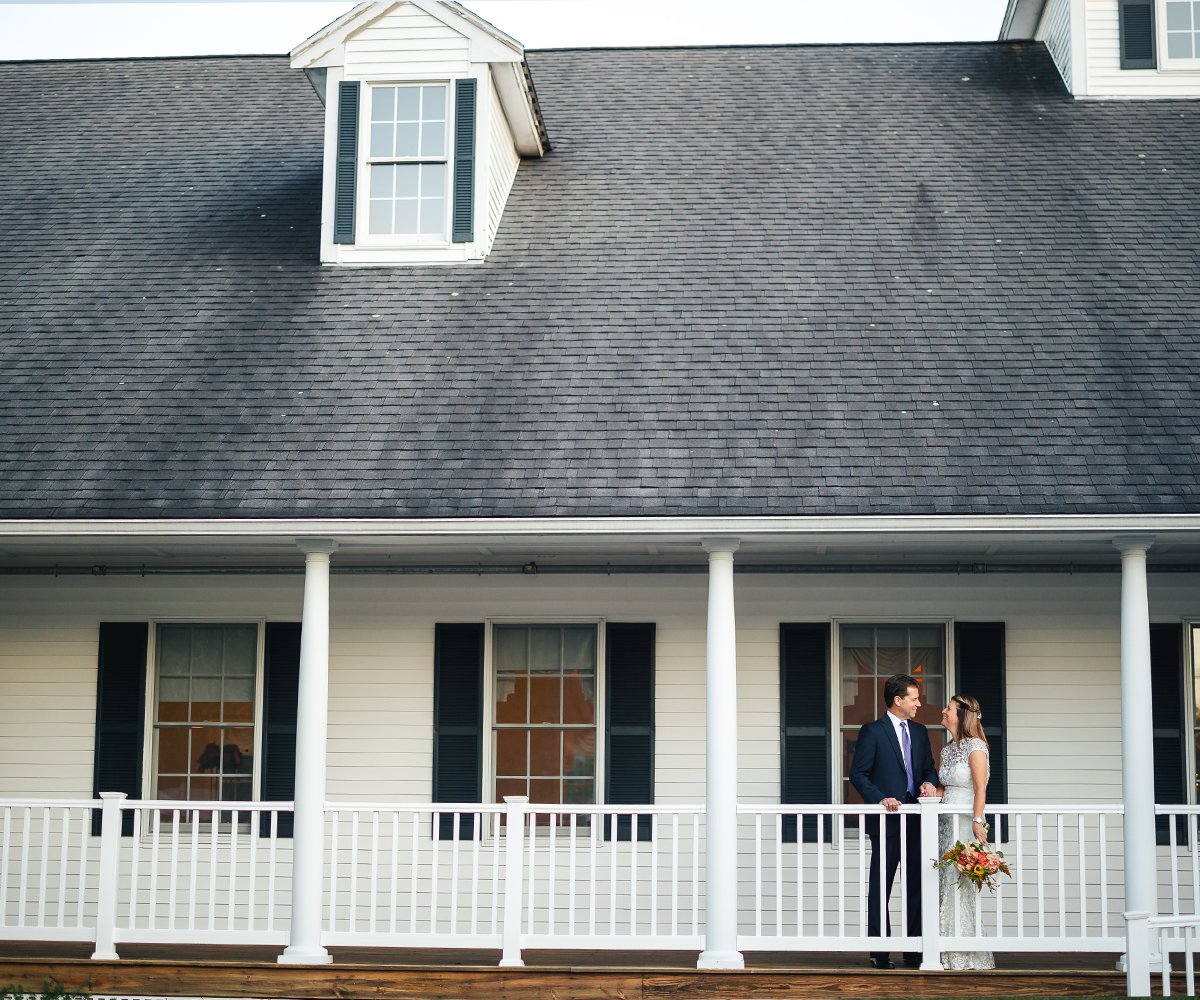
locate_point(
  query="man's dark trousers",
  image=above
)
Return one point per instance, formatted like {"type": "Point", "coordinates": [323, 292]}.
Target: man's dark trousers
{"type": "Point", "coordinates": [913, 875]}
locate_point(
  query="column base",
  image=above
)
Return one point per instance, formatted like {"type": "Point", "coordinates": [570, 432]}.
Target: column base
{"type": "Point", "coordinates": [511, 963]}
{"type": "Point", "coordinates": [720, 960]}
{"type": "Point", "coordinates": [305, 956]}
{"type": "Point", "coordinates": [105, 956]}
{"type": "Point", "coordinates": [932, 967]}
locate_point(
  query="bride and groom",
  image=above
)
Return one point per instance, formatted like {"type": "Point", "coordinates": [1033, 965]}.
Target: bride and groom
{"type": "Point", "coordinates": [892, 766]}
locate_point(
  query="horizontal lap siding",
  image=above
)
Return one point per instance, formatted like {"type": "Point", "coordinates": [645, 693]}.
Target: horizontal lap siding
{"type": "Point", "coordinates": [1055, 31]}
{"type": "Point", "coordinates": [409, 37]}
{"type": "Point", "coordinates": [1061, 634]}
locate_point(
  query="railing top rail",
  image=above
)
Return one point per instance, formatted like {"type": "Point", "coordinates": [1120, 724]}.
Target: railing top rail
{"type": "Point", "coordinates": [1176, 810]}
{"type": "Point", "coordinates": [417, 807]}
{"type": "Point", "coordinates": [1086, 809]}
{"type": "Point", "coordinates": [606, 809]}
{"type": "Point", "coordinates": [828, 809]}
{"type": "Point", "coordinates": [1181, 921]}
{"type": "Point", "coordinates": [50, 803]}
{"type": "Point", "coordinates": [822, 809]}
{"type": "Point", "coordinates": [190, 805]}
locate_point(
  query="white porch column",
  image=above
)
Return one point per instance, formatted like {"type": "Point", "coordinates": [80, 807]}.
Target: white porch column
{"type": "Point", "coordinates": [1137, 730]}
{"type": "Point", "coordinates": [312, 725]}
{"type": "Point", "coordinates": [721, 764]}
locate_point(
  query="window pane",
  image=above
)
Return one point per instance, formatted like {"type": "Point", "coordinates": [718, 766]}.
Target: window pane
{"type": "Point", "coordinates": [208, 650]}
{"type": "Point", "coordinates": [541, 790]}
{"type": "Point", "coordinates": [433, 216]}
{"type": "Point", "coordinates": [206, 699]}
{"type": "Point", "coordinates": [544, 699]}
{"type": "Point", "coordinates": [578, 793]}
{"type": "Point", "coordinates": [171, 788]}
{"type": "Point", "coordinates": [406, 139]}
{"type": "Point", "coordinates": [237, 755]}
{"type": "Point", "coordinates": [408, 104]}
{"type": "Point", "coordinates": [203, 789]}
{"type": "Point", "coordinates": [235, 790]}
{"type": "Point", "coordinates": [512, 751]}
{"type": "Point", "coordinates": [406, 216]}
{"type": "Point", "coordinates": [545, 647]}
{"type": "Point", "coordinates": [579, 650]}
{"type": "Point", "coordinates": [859, 658]}
{"type": "Point", "coordinates": [933, 700]}
{"type": "Point", "coordinates": [545, 751]}
{"type": "Point", "coordinates": [1179, 16]}
{"type": "Point", "coordinates": [434, 103]}
{"type": "Point", "coordinates": [579, 751]}
{"type": "Point", "coordinates": [174, 652]}
{"type": "Point", "coordinates": [382, 175]}
{"type": "Point", "coordinates": [173, 751]}
{"type": "Point", "coordinates": [433, 180]}
{"type": "Point", "coordinates": [579, 699]}
{"type": "Point", "coordinates": [510, 649]}
{"type": "Point", "coordinates": [433, 139]}
{"type": "Point", "coordinates": [382, 138]}
{"type": "Point", "coordinates": [241, 650]}
{"type": "Point", "coordinates": [1179, 44]}
{"type": "Point", "coordinates": [406, 179]}
{"type": "Point", "coordinates": [510, 786]}
{"type": "Point", "coordinates": [173, 699]}
{"type": "Point", "coordinates": [512, 696]}
{"type": "Point", "coordinates": [381, 217]}
{"type": "Point", "coordinates": [383, 104]}
{"type": "Point", "coordinates": [849, 742]}
{"type": "Point", "coordinates": [206, 751]}
{"type": "Point", "coordinates": [858, 700]}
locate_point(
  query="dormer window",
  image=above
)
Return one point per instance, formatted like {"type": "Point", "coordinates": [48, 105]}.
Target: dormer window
{"type": "Point", "coordinates": [429, 110]}
{"type": "Point", "coordinates": [407, 162]}
{"type": "Point", "coordinates": [1183, 34]}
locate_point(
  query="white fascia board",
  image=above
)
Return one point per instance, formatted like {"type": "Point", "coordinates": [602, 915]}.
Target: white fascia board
{"type": "Point", "coordinates": [1079, 526]}
{"type": "Point", "coordinates": [327, 46]}
{"type": "Point", "coordinates": [517, 103]}
{"type": "Point", "coordinates": [488, 44]}
{"type": "Point", "coordinates": [1021, 20]}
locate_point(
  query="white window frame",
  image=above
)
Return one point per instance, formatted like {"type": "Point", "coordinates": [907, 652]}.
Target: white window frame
{"type": "Point", "coordinates": [1164, 63]}
{"type": "Point", "coordinates": [149, 752]}
{"type": "Point", "coordinates": [489, 695]}
{"type": "Point", "coordinates": [835, 672]}
{"type": "Point", "coordinates": [1191, 666]}
{"type": "Point", "coordinates": [364, 161]}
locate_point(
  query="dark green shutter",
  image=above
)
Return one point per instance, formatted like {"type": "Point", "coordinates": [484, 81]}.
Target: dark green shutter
{"type": "Point", "coordinates": [457, 721]}
{"type": "Point", "coordinates": [804, 737]}
{"type": "Point", "coordinates": [120, 714]}
{"type": "Point", "coordinates": [629, 722]}
{"type": "Point", "coordinates": [347, 163]}
{"type": "Point", "coordinates": [281, 684]}
{"type": "Point", "coordinates": [1170, 725]}
{"type": "Point", "coordinates": [464, 161]}
{"type": "Point", "coordinates": [1137, 34]}
{"type": "Point", "coordinates": [979, 659]}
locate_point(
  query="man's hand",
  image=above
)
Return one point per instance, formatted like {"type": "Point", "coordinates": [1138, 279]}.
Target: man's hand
{"type": "Point", "coordinates": [928, 790]}
{"type": "Point", "coordinates": [891, 805]}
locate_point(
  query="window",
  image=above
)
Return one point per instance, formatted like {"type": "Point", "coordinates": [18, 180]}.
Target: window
{"type": "Point", "coordinates": [407, 161]}
{"type": "Point", "coordinates": [1183, 29]}
{"type": "Point", "coordinates": [545, 716]}
{"type": "Point", "coordinates": [869, 655]}
{"type": "Point", "coordinates": [205, 712]}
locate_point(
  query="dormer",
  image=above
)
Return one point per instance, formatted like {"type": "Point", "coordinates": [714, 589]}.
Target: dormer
{"type": "Point", "coordinates": [428, 112]}
{"type": "Point", "coordinates": [1115, 48]}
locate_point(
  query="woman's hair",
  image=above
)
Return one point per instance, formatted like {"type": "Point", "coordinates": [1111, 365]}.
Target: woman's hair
{"type": "Point", "coordinates": [970, 724]}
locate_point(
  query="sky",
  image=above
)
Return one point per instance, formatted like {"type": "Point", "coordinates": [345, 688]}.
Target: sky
{"type": "Point", "coordinates": [92, 30]}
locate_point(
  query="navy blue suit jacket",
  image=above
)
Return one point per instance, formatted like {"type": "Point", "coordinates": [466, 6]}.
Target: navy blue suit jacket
{"type": "Point", "coordinates": [877, 771]}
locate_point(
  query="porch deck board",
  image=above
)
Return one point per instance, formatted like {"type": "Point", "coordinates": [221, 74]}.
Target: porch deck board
{"type": "Point", "coordinates": [410, 974]}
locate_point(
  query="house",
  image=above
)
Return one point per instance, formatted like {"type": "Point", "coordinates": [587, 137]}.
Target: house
{"type": "Point", "coordinates": [417, 439]}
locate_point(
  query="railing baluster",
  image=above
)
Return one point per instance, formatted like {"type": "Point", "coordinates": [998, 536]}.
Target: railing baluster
{"type": "Point", "coordinates": [1041, 879]}
{"type": "Point", "coordinates": [1062, 881]}
{"type": "Point", "coordinates": [800, 817]}
{"type": "Point", "coordinates": [394, 898]}
{"type": "Point", "coordinates": [821, 877]}
{"type": "Point", "coordinates": [1081, 846]}
{"type": "Point", "coordinates": [193, 869]}
{"type": "Point", "coordinates": [572, 876]}
{"type": "Point", "coordinates": [595, 837]}
{"type": "Point", "coordinates": [1189, 944]}
{"type": "Point", "coordinates": [1102, 847]}
{"type": "Point", "coordinates": [252, 887]}
{"type": "Point", "coordinates": [695, 873]}
{"type": "Point", "coordinates": [476, 837]}
{"type": "Point", "coordinates": [26, 824]}
{"type": "Point", "coordinates": [841, 821]}
{"type": "Point", "coordinates": [352, 924]}
{"type": "Point", "coordinates": [612, 874]}
{"type": "Point", "coordinates": [863, 905]}
{"type": "Point", "coordinates": [4, 869]}
{"type": "Point", "coordinates": [1195, 850]}
{"type": "Point", "coordinates": [674, 874]}
{"type": "Point", "coordinates": [495, 925]}
{"type": "Point", "coordinates": [63, 864]}
{"type": "Point", "coordinates": [779, 875]}
{"type": "Point", "coordinates": [271, 870]}
{"type": "Point", "coordinates": [44, 865]}
{"type": "Point", "coordinates": [374, 870]}
{"type": "Point", "coordinates": [758, 874]}
{"type": "Point", "coordinates": [653, 874]}
{"type": "Point", "coordinates": [455, 832]}
{"type": "Point", "coordinates": [550, 886]}
{"type": "Point", "coordinates": [1174, 853]}
{"type": "Point", "coordinates": [412, 872]}
{"type": "Point", "coordinates": [231, 907]}
{"type": "Point", "coordinates": [1017, 823]}
{"type": "Point", "coordinates": [213, 819]}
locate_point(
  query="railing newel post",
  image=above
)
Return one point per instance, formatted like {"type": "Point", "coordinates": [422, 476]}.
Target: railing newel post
{"type": "Point", "coordinates": [514, 858]}
{"type": "Point", "coordinates": [109, 876]}
{"type": "Point", "coordinates": [931, 956]}
{"type": "Point", "coordinates": [1137, 953]}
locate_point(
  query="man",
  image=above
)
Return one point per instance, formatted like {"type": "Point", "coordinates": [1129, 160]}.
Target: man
{"type": "Point", "coordinates": [891, 757]}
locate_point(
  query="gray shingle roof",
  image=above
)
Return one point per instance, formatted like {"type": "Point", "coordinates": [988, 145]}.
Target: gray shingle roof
{"type": "Point", "coordinates": [785, 280]}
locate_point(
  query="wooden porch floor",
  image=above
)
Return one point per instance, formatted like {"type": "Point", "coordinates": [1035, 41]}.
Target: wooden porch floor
{"type": "Point", "coordinates": [357, 973]}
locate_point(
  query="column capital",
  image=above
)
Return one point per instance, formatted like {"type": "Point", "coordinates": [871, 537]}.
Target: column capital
{"type": "Point", "coordinates": [1127, 543]}
{"type": "Point", "coordinates": [318, 546]}
{"type": "Point", "coordinates": [720, 544]}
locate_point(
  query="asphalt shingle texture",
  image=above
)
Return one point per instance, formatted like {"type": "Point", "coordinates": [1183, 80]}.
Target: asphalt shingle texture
{"type": "Point", "coordinates": [783, 280]}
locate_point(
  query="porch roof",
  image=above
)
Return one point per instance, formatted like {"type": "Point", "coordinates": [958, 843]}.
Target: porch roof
{"type": "Point", "coordinates": [773, 280]}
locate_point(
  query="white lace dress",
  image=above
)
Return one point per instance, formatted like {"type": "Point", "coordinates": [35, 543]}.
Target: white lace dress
{"type": "Point", "coordinates": [955, 777]}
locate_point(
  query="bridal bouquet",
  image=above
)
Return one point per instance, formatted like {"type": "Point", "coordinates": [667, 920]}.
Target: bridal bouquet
{"type": "Point", "coordinates": [977, 864]}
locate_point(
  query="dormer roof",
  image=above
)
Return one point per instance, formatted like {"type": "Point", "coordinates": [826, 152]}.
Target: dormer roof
{"type": "Point", "coordinates": [484, 42]}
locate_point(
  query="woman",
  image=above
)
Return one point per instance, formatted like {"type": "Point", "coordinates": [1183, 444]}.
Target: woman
{"type": "Point", "coordinates": [964, 777]}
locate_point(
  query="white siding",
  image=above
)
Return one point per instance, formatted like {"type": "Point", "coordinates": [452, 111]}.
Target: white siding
{"type": "Point", "coordinates": [1105, 76]}
{"type": "Point", "coordinates": [502, 164]}
{"type": "Point", "coordinates": [409, 42]}
{"type": "Point", "coordinates": [1062, 640]}
{"type": "Point", "coordinates": [1055, 31]}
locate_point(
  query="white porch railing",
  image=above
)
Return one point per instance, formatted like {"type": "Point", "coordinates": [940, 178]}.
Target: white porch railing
{"type": "Point", "coordinates": [585, 877]}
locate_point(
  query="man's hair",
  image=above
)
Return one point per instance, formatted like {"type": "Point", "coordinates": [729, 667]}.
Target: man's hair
{"type": "Point", "coordinates": [897, 687]}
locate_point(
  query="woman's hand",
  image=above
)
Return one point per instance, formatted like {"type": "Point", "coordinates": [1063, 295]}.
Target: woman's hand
{"type": "Point", "coordinates": [980, 832]}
